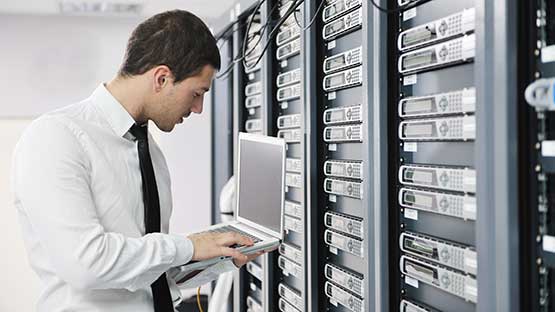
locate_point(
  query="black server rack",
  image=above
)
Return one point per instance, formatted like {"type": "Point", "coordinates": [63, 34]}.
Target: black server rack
{"type": "Point", "coordinates": [340, 168]}
{"type": "Point", "coordinates": [222, 122]}
{"type": "Point", "coordinates": [537, 134]}
{"type": "Point", "coordinates": [432, 105]}
{"type": "Point", "coordinates": [287, 122]}
{"type": "Point", "coordinates": [249, 116]}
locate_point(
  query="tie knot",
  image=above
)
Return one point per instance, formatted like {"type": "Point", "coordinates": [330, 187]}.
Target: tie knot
{"type": "Point", "coordinates": [139, 132]}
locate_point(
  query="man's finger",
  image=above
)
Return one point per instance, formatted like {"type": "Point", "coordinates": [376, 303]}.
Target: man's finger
{"type": "Point", "coordinates": [232, 238]}
{"type": "Point", "coordinates": [231, 252]}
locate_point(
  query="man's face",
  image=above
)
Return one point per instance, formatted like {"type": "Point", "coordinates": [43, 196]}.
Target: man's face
{"type": "Point", "coordinates": [177, 101]}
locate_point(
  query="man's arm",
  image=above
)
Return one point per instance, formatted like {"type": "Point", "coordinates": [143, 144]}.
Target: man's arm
{"type": "Point", "coordinates": [51, 183]}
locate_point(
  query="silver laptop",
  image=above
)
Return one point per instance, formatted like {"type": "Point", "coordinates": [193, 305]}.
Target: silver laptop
{"type": "Point", "coordinates": [260, 197]}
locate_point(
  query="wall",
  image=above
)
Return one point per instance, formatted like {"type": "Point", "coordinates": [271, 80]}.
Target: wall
{"type": "Point", "coordinates": [52, 61]}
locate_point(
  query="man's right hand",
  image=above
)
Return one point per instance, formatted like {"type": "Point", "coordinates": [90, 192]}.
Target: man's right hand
{"type": "Point", "coordinates": [209, 245]}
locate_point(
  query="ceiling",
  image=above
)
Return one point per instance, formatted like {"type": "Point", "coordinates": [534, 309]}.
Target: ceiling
{"type": "Point", "coordinates": [206, 9]}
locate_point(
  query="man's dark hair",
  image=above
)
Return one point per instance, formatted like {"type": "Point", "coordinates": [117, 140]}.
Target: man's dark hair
{"type": "Point", "coordinates": [177, 39]}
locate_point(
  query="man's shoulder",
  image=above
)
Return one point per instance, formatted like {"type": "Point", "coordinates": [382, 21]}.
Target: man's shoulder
{"type": "Point", "coordinates": [57, 125]}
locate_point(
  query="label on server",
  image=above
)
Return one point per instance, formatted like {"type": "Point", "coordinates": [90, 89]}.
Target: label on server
{"type": "Point", "coordinates": [293, 180]}
{"type": "Point", "coordinates": [344, 223]}
{"type": "Point", "coordinates": [287, 34]}
{"type": "Point", "coordinates": [342, 242]}
{"type": "Point", "coordinates": [341, 80]}
{"type": "Point", "coordinates": [289, 93]}
{"type": "Point", "coordinates": [343, 168]}
{"type": "Point", "coordinates": [342, 25]}
{"type": "Point", "coordinates": [460, 206]}
{"type": "Point", "coordinates": [292, 224]}
{"type": "Point", "coordinates": [444, 28]}
{"type": "Point", "coordinates": [290, 136]}
{"type": "Point", "coordinates": [339, 7]}
{"type": "Point", "coordinates": [336, 134]}
{"type": "Point", "coordinates": [255, 270]}
{"type": "Point", "coordinates": [343, 60]}
{"type": "Point", "coordinates": [289, 121]}
{"type": "Point", "coordinates": [454, 128]}
{"type": "Point", "coordinates": [254, 305]}
{"type": "Point", "coordinates": [410, 306]}
{"type": "Point", "coordinates": [343, 188]}
{"type": "Point", "coordinates": [339, 115]}
{"type": "Point", "coordinates": [353, 282]}
{"type": "Point", "coordinates": [291, 252]}
{"type": "Point", "coordinates": [253, 101]}
{"type": "Point", "coordinates": [289, 49]}
{"type": "Point", "coordinates": [445, 279]}
{"type": "Point", "coordinates": [291, 295]}
{"type": "Point", "coordinates": [452, 179]}
{"type": "Point", "coordinates": [253, 125]}
{"type": "Point", "coordinates": [289, 267]}
{"type": "Point", "coordinates": [253, 88]}
{"type": "Point", "coordinates": [342, 297]}
{"type": "Point", "coordinates": [285, 306]}
{"type": "Point", "coordinates": [287, 78]}
{"type": "Point", "coordinates": [443, 54]}
{"type": "Point", "coordinates": [294, 165]}
{"type": "Point", "coordinates": [453, 255]}
{"type": "Point", "coordinates": [462, 101]}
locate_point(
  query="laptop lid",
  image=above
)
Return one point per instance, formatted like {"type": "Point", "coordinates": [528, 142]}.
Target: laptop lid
{"type": "Point", "coordinates": [261, 183]}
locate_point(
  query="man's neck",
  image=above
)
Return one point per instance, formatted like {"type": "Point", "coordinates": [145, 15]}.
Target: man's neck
{"type": "Point", "coordinates": [129, 93]}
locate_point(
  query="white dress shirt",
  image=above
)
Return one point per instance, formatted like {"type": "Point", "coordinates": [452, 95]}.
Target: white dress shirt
{"type": "Point", "coordinates": [77, 189]}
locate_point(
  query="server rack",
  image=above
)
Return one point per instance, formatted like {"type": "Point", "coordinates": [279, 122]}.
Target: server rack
{"type": "Point", "coordinates": [537, 39]}
{"type": "Point", "coordinates": [287, 102]}
{"type": "Point", "coordinates": [222, 122]}
{"type": "Point", "coordinates": [342, 237]}
{"type": "Point", "coordinates": [433, 176]}
{"type": "Point", "coordinates": [253, 282]}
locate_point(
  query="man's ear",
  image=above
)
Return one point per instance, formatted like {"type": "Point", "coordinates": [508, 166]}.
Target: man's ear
{"type": "Point", "coordinates": [162, 76]}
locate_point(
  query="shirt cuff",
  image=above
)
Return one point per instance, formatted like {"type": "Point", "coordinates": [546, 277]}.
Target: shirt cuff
{"type": "Point", "coordinates": [184, 250]}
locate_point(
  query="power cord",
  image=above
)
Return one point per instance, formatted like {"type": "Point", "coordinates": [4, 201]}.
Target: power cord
{"type": "Point", "coordinates": [198, 300]}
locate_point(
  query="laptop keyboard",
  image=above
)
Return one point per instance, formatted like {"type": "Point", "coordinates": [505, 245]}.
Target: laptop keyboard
{"type": "Point", "coordinates": [229, 228]}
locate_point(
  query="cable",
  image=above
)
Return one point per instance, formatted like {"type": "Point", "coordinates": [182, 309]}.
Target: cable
{"type": "Point", "coordinates": [315, 15]}
{"type": "Point", "coordinates": [198, 300]}
{"type": "Point", "coordinates": [249, 24]}
{"type": "Point", "coordinates": [399, 9]}
{"type": "Point", "coordinates": [273, 33]}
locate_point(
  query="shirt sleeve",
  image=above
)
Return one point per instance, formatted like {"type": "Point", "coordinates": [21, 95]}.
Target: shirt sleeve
{"type": "Point", "coordinates": [51, 178]}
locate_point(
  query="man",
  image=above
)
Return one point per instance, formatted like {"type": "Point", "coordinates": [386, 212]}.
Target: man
{"type": "Point", "coordinates": [92, 188]}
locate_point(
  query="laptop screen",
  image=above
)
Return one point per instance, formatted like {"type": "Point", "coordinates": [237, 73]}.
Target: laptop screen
{"type": "Point", "coordinates": [261, 180]}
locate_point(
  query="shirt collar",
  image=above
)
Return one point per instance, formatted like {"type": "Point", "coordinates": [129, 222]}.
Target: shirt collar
{"type": "Point", "coordinates": [118, 118]}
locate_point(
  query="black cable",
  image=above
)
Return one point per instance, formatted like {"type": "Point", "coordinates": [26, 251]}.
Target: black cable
{"type": "Point", "coordinates": [273, 33]}
{"type": "Point", "coordinates": [249, 25]}
{"type": "Point", "coordinates": [315, 15]}
{"type": "Point", "coordinates": [398, 9]}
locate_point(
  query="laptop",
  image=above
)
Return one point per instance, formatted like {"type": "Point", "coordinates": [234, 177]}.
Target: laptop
{"type": "Point", "coordinates": [260, 198]}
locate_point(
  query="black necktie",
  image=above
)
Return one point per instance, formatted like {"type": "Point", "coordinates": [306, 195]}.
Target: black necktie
{"type": "Point", "coordinates": [160, 289]}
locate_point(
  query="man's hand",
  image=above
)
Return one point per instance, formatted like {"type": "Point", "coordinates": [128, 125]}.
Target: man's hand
{"type": "Point", "coordinates": [240, 263]}
{"type": "Point", "coordinates": [209, 245]}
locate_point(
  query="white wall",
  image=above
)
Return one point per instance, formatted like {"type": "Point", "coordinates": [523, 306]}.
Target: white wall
{"type": "Point", "coordinates": [51, 61]}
